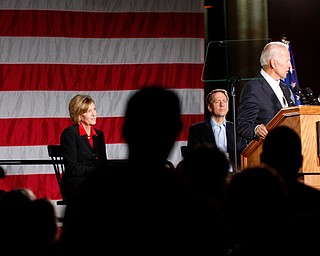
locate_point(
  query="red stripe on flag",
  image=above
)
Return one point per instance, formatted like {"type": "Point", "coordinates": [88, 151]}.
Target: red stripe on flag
{"type": "Point", "coordinates": [98, 77]}
{"type": "Point", "coordinates": [44, 23]}
{"type": "Point", "coordinates": [42, 185]}
{"type": "Point", "coordinates": [188, 120]}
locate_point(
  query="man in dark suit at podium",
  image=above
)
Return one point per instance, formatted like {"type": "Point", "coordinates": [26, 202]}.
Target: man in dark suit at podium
{"type": "Point", "coordinates": [263, 97]}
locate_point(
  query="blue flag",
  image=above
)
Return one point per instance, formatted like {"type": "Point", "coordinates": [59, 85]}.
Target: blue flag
{"type": "Point", "coordinates": [292, 79]}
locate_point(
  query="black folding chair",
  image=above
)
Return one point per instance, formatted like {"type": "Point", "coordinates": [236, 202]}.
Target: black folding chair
{"type": "Point", "coordinates": [55, 153]}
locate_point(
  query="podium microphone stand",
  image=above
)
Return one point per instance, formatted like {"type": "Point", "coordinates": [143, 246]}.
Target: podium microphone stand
{"type": "Point", "coordinates": [233, 81]}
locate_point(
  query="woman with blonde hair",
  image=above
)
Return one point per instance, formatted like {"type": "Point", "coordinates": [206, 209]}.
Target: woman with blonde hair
{"type": "Point", "coordinates": [83, 146]}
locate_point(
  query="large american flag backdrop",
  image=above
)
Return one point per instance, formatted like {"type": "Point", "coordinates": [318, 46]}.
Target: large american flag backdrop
{"type": "Point", "coordinates": [52, 50]}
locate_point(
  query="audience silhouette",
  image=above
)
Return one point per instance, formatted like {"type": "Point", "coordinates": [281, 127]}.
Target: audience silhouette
{"type": "Point", "coordinates": [205, 171]}
{"type": "Point", "coordinates": [39, 227]}
{"type": "Point", "coordinates": [282, 150]}
{"type": "Point", "coordinates": [28, 224]}
{"type": "Point", "coordinates": [255, 210]}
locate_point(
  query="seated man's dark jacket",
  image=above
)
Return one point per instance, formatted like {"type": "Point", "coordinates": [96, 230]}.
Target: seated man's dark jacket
{"type": "Point", "coordinates": [202, 133]}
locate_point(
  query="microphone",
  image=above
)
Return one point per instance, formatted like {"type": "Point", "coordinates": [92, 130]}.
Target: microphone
{"type": "Point", "coordinates": [297, 90]}
{"type": "Point", "coordinates": [312, 99]}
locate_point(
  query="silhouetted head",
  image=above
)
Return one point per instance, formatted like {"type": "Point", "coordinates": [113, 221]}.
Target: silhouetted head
{"type": "Point", "coordinates": [255, 200]}
{"type": "Point", "coordinates": [207, 167]}
{"type": "Point", "coordinates": [282, 150]}
{"type": "Point", "coordinates": [152, 122]}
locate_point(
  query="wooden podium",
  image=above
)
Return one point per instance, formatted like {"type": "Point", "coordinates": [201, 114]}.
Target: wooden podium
{"type": "Point", "coordinates": [305, 120]}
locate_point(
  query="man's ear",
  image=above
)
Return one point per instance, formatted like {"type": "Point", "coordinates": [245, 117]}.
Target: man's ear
{"type": "Point", "coordinates": [209, 108]}
{"type": "Point", "coordinates": [273, 63]}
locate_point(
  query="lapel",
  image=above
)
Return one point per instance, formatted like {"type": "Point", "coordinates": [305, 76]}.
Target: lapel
{"type": "Point", "coordinates": [286, 93]}
{"type": "Point", "coordinates": [86, 142]}
{"type": "Point", "coordinates": [229, 130]}
{"type": "Point", "coordinates": [269, 92]}
{"type": "Point", "coordinates": [83, 139]}
{"type": "Point", "coordinates": [209, 132]}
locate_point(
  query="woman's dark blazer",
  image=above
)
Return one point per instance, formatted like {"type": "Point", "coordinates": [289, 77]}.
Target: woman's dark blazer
{"type": "Point", "coordinates": [80, 158]}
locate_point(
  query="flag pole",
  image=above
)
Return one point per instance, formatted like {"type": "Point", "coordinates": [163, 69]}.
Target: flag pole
{"type": "Point", "coordinates": [292, 80]}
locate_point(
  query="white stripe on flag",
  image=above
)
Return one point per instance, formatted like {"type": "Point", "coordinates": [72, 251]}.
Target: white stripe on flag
{"type": "Point", "coordinates": [35, 104]}
{"type": "Point", "coordinates": [106, 5]}
{"type": "Point", "coordinates": [100, 51]}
